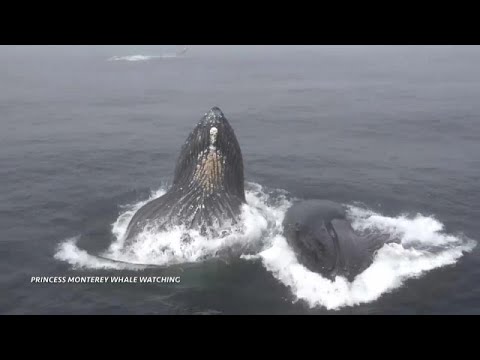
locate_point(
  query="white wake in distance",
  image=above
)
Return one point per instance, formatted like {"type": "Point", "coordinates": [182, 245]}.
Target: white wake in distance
{"type": "Point", "coordinates": [135, 58]}
{"type": "Point", "coordinates": [422, 245]}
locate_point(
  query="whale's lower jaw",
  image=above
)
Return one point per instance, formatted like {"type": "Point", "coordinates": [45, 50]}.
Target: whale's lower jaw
{"type": "Point", "coordinates": [205, 211]}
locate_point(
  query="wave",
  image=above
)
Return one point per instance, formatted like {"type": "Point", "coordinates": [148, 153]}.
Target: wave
{"type": "Point", "coordinates": [421, 246]}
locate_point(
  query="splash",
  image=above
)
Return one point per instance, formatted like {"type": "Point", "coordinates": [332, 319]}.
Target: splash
{"type": "Point", "coordinates": [257, 221]}
{"type": "Point", "coordinates": [421, 246]}
{"type": "Point", "coordinates": [69, 252]}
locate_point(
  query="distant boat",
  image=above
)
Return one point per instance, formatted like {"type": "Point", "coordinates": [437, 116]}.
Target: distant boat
{"type": "Point", "coordinates": [182, 51]}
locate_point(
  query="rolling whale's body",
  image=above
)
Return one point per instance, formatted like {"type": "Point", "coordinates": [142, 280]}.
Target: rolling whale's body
{"type": "Point", "coordinates": [325, 242]}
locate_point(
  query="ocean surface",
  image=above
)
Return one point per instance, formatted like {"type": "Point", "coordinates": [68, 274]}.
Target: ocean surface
{"type": "Point", "coordinates": [90, 133]}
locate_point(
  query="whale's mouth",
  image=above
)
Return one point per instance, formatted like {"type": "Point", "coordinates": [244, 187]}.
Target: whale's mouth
{"type": "Point", "coordinates": [336, 263]}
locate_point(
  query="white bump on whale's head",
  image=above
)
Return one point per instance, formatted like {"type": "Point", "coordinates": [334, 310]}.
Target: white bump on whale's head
{"type": "Point", "coordinates": [213, 135]}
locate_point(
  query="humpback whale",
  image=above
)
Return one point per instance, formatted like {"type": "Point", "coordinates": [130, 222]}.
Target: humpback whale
{"type": "Point", "coordinates": [208, 194]}
{"type": "Point", "coordinates": [324, 241]}
{"type": "Point", "coordinates": [208, 184]}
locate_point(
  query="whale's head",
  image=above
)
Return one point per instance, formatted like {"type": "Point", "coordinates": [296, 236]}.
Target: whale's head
{"type": "Point", "coordinates": [211, 158]}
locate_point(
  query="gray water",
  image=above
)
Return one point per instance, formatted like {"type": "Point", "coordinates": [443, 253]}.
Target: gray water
{"type": "Point", "coordinates": [396, 128]}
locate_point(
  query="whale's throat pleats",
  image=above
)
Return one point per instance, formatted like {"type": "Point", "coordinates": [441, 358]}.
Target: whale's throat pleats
{"type": "Point", "coordinates": [206, 201]}
{"type": "Point", "coordinates": [209, 171]}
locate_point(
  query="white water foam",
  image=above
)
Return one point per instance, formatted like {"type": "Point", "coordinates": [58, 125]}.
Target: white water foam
{"type": "Point", "coordinates": [69, 252]}
{"type": "Point", "coordinates": [422, 245]}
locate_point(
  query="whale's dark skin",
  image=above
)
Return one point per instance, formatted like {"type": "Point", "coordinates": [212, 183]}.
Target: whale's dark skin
{"type": "Point", "coordinates": [324, 240]}
{"type": "Point", "coordinates": [208, 184]}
